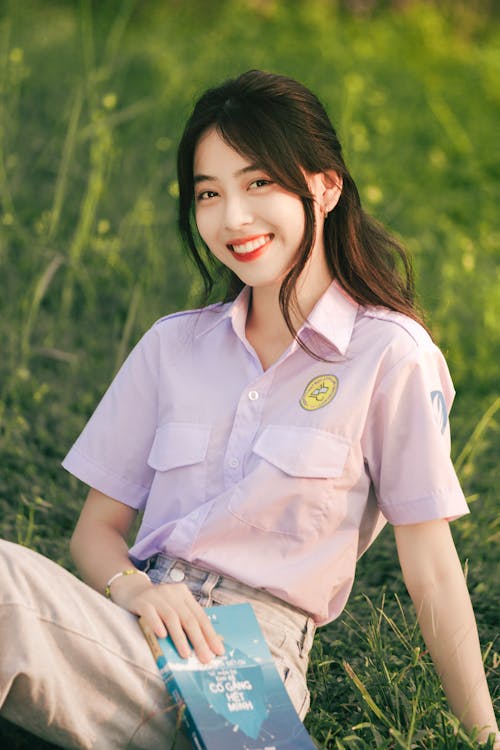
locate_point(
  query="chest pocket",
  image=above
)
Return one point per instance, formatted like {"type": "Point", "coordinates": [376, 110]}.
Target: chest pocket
{"type": "Point", "coordinates": [292, 491]}
{"type": "Point", "coordinates": [178, 456]}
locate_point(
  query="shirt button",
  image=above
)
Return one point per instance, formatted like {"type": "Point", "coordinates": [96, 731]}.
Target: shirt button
{"type": "Point", "coordinates": [253, 395]}
{"type": "Point", "coordinates": [233, 463]}
{"type": "Point", "coordinates": [177, 575]}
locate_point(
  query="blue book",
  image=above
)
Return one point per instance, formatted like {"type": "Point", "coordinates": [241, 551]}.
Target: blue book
{"type": "Point", "coordinates": [238, 700]}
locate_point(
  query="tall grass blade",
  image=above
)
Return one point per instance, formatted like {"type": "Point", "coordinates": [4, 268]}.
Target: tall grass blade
{"type": "Point", "coordinates": [40, 289]}
{"type": "Point", "coordinates": [127, 328]}
{"type": "Point", "coordinates": [449, 122]}
{"type": "Point", "coordinates": [62, 177]}
{"type": "Point", "coordinates": [100, 154]}
{"type": "Point", "coordinates": [117, 30]}
{"type": "Point", "coordinates": [471, 446]}
{"type": "Point", "coordinates": [365, 694]}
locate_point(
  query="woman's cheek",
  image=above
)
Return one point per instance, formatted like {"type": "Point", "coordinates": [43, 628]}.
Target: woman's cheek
{"type": "Point", "coordinates": [204, 221]}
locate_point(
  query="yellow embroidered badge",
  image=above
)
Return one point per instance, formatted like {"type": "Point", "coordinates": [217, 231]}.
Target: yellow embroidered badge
{"type": "Point", "coordinates": [319, 392]}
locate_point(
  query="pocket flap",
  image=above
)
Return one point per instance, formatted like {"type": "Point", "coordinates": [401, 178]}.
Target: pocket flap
{"type": "Point", "coordinates": [303, 451]}
{"type": "Point", "coordinates": [179, 444]}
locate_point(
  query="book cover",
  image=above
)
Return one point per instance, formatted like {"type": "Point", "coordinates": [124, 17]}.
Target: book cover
{"type": "Point", "coordinates": [238, 700]}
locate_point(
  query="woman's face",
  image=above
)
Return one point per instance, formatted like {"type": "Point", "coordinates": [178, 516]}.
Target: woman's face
{"type": "Point", "coordinates": [248, 222]}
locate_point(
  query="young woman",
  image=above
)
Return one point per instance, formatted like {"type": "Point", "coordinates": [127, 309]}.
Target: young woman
{"type": "Point", "coordinates": [266, 439]}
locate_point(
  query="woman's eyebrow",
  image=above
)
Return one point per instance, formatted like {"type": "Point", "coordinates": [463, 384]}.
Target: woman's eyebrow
{"type": "Point", "coordinates": [244, 170]}
{"type": "Point", "coordinates": [203, 178]}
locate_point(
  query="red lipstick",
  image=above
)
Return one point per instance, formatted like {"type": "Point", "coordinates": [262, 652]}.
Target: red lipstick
{"type": "Point", "coordinates": [249, 255]}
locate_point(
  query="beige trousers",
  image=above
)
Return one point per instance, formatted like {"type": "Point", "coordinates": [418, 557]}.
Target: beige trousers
{"type": "Point", "coordinates": [75, 669]}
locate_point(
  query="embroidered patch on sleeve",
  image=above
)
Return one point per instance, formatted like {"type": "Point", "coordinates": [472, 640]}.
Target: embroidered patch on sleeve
{"type": "Point", "coordinates": [440, 410]}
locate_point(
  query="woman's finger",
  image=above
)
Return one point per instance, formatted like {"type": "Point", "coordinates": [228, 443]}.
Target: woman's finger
{"type": "Point", "coordinates": [177, 633]}
{"type": "Point", "coordinates": [182, 616]}
{"type": "Point", "coordinates": [212, 638]}
{"type": "Point", "coordinates": [198, 641]}
{"type": "Point", "coordinates": [172, 609]}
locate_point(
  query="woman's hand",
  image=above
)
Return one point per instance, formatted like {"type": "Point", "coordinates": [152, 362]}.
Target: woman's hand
{"type": "Point", "coordinates": [100, 550]}
{"type": "Point", "coordinates": [170, 609]}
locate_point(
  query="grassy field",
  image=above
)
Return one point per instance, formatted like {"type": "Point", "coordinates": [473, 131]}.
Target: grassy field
{"type": "Point", "coordinates": [93, 97]}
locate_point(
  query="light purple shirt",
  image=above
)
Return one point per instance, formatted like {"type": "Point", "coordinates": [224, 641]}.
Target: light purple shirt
{"type": "Point", "coordinates": [280, 479]}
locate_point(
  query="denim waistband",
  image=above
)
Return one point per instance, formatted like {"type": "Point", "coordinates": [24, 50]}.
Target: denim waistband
{"type": "Point", "coordinates": [211, 588]}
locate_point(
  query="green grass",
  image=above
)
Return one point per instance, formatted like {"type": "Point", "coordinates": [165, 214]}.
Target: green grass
{"type": "Point", "coordinates": [93, 97]}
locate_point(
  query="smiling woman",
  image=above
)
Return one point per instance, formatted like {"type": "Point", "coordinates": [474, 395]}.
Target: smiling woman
{"type": "Point", "coordinates": [267, 439]}
{"type": "Point", "coordinates": [243, 216]}
{"type": "Point", "coordinates": [302, 155]}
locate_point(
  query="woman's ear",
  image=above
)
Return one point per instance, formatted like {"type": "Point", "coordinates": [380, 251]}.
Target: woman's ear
{"type": "Point", "coordinates": [332, 190]}
{"type": "Point", "coordinates": [326, 188]}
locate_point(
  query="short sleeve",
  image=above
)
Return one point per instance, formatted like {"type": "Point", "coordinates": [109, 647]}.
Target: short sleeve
{"type": "Point", "coordinates": [407, 441]}
{"type": "Point", "coordinates": [111, 452]}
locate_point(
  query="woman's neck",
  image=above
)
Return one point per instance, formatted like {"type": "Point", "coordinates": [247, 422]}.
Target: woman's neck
{"type": "Point", "coordinates": [266, 328]}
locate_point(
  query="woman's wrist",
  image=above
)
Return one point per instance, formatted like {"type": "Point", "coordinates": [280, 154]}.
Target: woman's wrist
{"type": "Point", "coordinates": [116, 576]}
{"type": "Point", "coordinates": [124, 584]}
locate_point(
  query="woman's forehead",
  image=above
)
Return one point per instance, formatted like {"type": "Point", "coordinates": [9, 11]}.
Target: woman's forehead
{"type": "Point", "coordinates": [214, 155]}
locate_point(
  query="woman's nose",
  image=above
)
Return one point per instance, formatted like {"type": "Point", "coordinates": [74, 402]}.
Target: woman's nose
{"type": "Point", "coordinates": [237, 212]}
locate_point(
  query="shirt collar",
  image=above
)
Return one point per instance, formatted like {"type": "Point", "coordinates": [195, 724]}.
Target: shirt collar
{"type": "Point", "coordinates": [333, 316]}
{"type": "Point", "coordinates": [213, 315]}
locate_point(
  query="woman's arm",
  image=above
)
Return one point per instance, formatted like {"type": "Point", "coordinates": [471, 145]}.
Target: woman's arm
{"type": "Point", "coordinates": [99, 549]}
{"type": "Point", "coordinates": [433, 576]}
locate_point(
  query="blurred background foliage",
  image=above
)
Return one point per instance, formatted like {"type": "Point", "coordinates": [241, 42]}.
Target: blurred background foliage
{"type": "Point", "coordinates": [93, 97]}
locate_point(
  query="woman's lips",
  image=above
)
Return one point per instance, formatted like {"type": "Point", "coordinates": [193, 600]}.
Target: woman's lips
{"type": "Point", "coordinates": [250, 248]}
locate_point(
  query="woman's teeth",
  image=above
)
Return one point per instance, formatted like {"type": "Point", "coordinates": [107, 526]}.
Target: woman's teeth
{"type": "Point", "coordinates": [251, 245]}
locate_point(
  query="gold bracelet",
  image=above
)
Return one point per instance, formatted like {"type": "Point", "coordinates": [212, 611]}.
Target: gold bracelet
{"type": "Point", "coordinates": [129, 572]}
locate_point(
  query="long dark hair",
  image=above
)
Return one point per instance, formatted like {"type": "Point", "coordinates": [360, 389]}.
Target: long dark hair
{"type": "Point", "coordinates": [276, 122]}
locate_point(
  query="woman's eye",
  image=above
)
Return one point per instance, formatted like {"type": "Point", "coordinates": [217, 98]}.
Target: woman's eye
{"type": "Point", "coordinates": [206, 195]}
{"type": "Point", "coordinates": [262, 182]}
